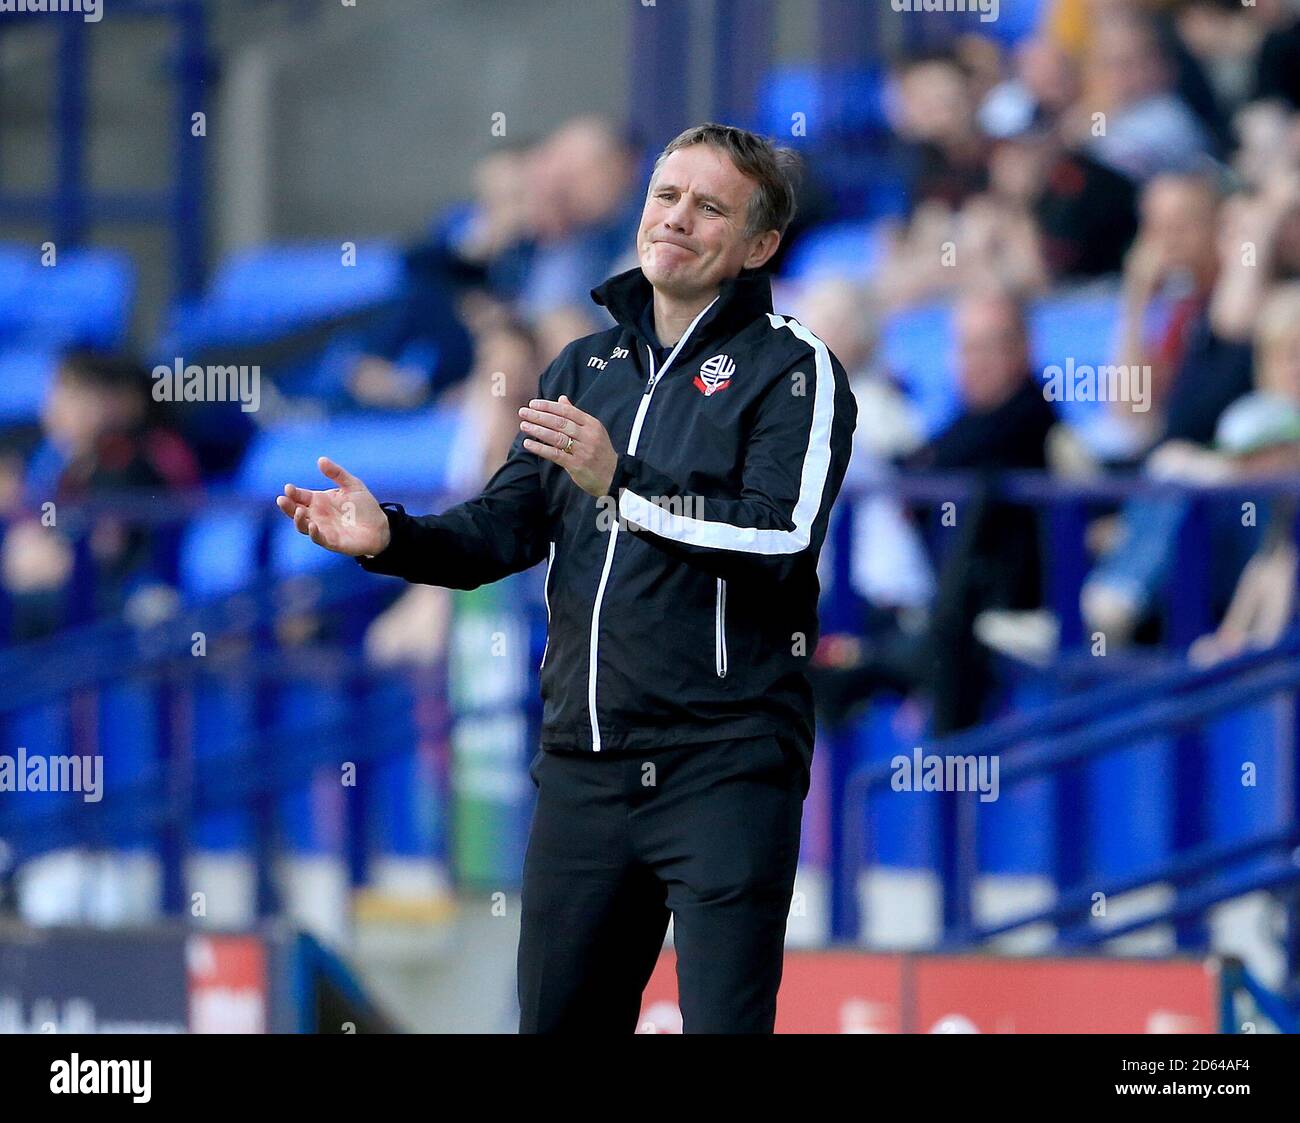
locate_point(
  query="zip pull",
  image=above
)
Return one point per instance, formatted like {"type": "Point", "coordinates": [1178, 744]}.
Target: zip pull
{"type": "Point", "coordinates": [649, 382]}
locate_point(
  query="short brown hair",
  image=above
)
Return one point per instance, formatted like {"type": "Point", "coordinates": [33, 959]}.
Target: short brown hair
{"type": "Point", "coordinates": [775, 170]}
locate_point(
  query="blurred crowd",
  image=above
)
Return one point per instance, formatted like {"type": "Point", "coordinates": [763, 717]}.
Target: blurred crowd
{"type": "Point", "coordinates": [1151, 146]}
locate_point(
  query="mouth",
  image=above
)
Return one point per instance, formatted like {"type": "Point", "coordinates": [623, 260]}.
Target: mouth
{"type": "Point", "coordinates": [669, 242]}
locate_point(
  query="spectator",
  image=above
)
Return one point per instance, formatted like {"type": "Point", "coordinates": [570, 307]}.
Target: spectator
{"type": "Point", "coordinates": [994, 562]}
{"type": "Point", "coordinates": [889, 569]}
{"type": "Point", "coordinates": [1189, 371]}
{"type": "Point", "coordinates": [490, 240]}
{"type": "Point", "coordinates": [586, 209]}
{"type": "Point", "coordinates": [1225, 37]}
{"type": "Point", "coordinates": [415, 627]}
{"type": "Point", "coordinates": [1259, 244]}
{"type": "Point", "coordinates": [1259, 436]}
{"type": "Point", "coordinates": [102, 425]}
{"type": "Point", "coordinates": [935, 118]}
{"type": "Point", "coordinates": [473, 262]}
{"type": "Point", "coordinates": [1277, 73]}
{"type": "Point", "coordinates": [1121, 592]}
{"type": "Point", "coordinates": [1145, 129]}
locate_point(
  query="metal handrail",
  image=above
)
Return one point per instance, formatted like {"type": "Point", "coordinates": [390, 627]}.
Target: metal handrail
{"type": "Point", "coordinates": [1248, 677]}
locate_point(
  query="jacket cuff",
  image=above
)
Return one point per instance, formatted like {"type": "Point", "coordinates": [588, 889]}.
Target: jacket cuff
{"type": "Point", "coordinates": [624, 470]}
{"type": "Point", "coordinates": [399, 529]}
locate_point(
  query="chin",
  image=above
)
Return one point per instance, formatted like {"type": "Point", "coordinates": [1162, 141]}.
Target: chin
{"type": "Point", "coordinates": [663, 279]}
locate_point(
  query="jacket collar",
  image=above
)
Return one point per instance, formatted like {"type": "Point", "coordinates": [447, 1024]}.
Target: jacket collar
{"type": "Point", "coordinates": [740, 300]}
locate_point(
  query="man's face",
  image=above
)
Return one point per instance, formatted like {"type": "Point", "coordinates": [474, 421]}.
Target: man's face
{"type": "Point", "coordinates": [1125, 64]}
{"type": "Point", "coordinates": [993, 352]}
{"type": "Point", "coordinates": [74, 414]}
{"type": "Point", "coordinates": [1179, 215]}
{"type": "Point", "coordinates": [1278, 366]}
{"type": "Point", "coordinates": [692, 233]}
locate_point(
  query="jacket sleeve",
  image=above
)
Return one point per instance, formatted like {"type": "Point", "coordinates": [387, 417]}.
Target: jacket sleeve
{"type": "Point", "coordinates": [503, 530]}
{"type": "Point", "coordinates": [795, 458]}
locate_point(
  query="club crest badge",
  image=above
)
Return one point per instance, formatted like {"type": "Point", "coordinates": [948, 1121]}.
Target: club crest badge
{"type": "Point", "coordinates": [715, 374]}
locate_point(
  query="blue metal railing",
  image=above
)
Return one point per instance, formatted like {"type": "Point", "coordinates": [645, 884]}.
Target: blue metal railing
{"type": "Point", "coordinates": [1069, 733]}
{"type": "Point", "coordinates": [1048, 741]}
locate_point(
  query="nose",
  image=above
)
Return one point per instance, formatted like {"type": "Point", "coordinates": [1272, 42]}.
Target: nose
{"type": "Point", "coordinates": [678, 216]}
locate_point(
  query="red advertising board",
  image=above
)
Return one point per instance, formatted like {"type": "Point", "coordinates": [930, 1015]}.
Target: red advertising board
{"type": "Point", "coordinates": [227, 984]}
{"type": "Point", "coordinates": [858, 992]}
{"type": "Point", "coordinates": [821, 992]}
{"type": "Point", "coordinates": [988, 994]}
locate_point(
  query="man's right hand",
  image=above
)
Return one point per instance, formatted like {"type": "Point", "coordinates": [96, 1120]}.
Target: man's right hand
{"type": "Point", "coordinates": [346, 519]}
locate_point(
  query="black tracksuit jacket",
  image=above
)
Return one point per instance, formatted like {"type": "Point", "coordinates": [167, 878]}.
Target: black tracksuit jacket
{"type": "Point", "coordinates": [682, 606]}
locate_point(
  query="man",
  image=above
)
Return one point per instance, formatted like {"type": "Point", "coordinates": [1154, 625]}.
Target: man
{"type": "Point", "coordinates": [1149, 129]}
{"type": "Point", "coordinates": [677, 474]}
{"type": "Point", "coordinates": [992, 562]}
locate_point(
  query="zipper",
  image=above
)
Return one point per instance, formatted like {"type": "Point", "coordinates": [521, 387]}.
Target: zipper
{"type": "Point", "coordinates": [646, 395]}
{"type": "Point", "coordinates": [546, 598]}
{"type": "Point", "coordinates": [720, 630]}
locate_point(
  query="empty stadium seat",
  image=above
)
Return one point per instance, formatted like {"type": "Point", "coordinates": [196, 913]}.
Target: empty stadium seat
{"type": "Point", "coordinates": [25, 377]}
{"type": "Point", "coordinates": [218, 553]}
{"type": "Point", "coordinates": [918, 348]}
{"type": "Point", "coordinates": [274, 290]}
{"type": "Point", "coordinates": [1079, 328]}
{"type": "Point", "coordinates": [83, 300]}
{"type": "Point", "coordinates": [409, 452]}
{"type": "Point", "coordinates": [843, 249]}
{"type": "Point", "coordinates": [844, 100]}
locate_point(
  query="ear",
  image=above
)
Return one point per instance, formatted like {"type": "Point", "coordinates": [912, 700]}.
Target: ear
{"type": "Point", "coordinates": [762, 249]}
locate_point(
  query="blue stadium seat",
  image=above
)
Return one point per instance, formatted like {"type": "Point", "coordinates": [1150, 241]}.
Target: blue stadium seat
{"type": "Point", "coordinates": [273, 290]}
{"type": "Point", "coordinates": [918, 348]}
{"type": "Point", "coordinates": [842, 249]}
{"type": "Point", "coordinates": [1015, 21]}
{"type": "Point", "coordinates": [902, 830]}
{"type": "Point", "coordinates": [1130, 818]}
{"type": "Point", "coordinates": [311, 807]}
{"type": "Point", "coordinates": [130, 743]}
{"type": "Point", "coordinates": [291, 552]}
{"type": "Point", "coordinates": [42, 820]}
{"type": "Point", "coordinates": [218, 554]}
{"type": "Point", "coordinates": [403, 815]}
{"type": "Point", "coordinates": [1258, 734]}
{"type": "Point", "coordinates": [1082, 328]}
{"type": "Point", "coordinates": [834, 100]}
{"type": "Point", "coordinates": [408, 452]}
{"type": "Point", "coordinates": [25, 377]}
{"type": "Point", "coordinates": [223, 726]}
{"type": "Point", "coordinates": [84, 300]}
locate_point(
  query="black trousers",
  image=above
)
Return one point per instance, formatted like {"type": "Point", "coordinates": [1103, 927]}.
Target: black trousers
{"type": "Point", "coordinates": [708, 833]}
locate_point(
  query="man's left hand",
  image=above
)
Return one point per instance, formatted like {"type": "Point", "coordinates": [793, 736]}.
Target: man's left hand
{"type": "Point", "coordinates": [561, 433]}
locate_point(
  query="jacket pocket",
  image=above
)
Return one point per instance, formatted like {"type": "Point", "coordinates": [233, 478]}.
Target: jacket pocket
{"type": "Point", "coordinates": [546, 598]}
{"type": "Point", "coordinates": [720, 630]}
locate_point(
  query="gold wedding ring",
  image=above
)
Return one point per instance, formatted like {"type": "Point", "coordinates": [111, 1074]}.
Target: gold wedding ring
{"type": "Point", "coordinates": [567, 446]}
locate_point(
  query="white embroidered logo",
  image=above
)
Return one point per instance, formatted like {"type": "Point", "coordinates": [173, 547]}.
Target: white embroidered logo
{"type": "Point", "coordinates": [715, 374]}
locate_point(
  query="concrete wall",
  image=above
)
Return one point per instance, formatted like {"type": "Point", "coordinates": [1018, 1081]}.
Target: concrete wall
{"type": "Point", "coordinates": [325, 120]}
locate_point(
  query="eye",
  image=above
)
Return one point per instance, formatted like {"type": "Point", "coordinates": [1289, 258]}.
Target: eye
{"type": "Point", "coordinates": [710, 207]}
